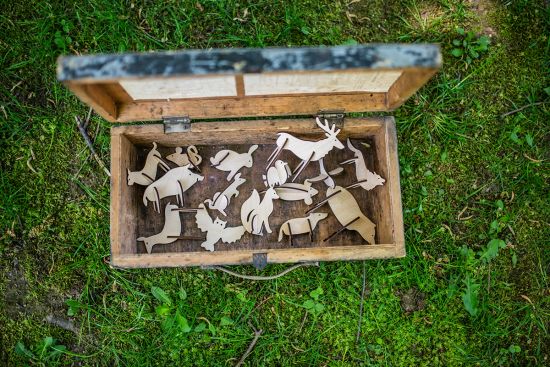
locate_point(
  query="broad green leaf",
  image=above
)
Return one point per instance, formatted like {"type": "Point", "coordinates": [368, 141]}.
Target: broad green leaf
{"type": "Point", "coordinates": [182, 294]}
{"type": "Point", "coordinates": [514, 137]}
{"type": "Point", "coordinates": [74, 306]}
{"type": "Point", "coordinates": [212, 329]}
{"type": "Point", "coordinates": [162, 310]}
{"type": "Point", "coordinates": [457, 42]}
{"type": "Point", "coordinates": [316, 293]}
{"type": "Point", "coordinates": [226, 321]}
{"type": "Point", "coordinates": [182, 322]}
{"type": "Point", "coordinates": [309, 304]}
{"type": "Point", "coordinates": [492, 249]}
{"type": "Point", "coordinates": [514, 259]}
{"type": "Point", "coordinates": [457, 52]}
{"type": "Point", "coordinates": [161, 295]}
{"type": "Point", "coordinates": [167, 323]}
{"type": "Point", "coordinates": [547, 90]}
{"type": "Point", "coordinates": [470, 297]}
{"type": "Point", "coordinates": [500, 204]}
{"type": "Point", "coordinates": [460, 30]}
{"type": "Point", "coordinates": [21, 350]}
{"type": "Point", "coordinates": [200, 327]}
{"type": "Point", "coordinates": [529, 139]}
{"type": "Point", "coordinates": [319, 307]}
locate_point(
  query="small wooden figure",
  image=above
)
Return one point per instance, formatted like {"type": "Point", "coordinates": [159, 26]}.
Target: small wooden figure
{"type": "Point", "coordinates": [296, 192]}
{"type": "Point", "coordinates": [216, 230]}
{"type": "Point", "coordinates": [183, 159]}
{"type": "Point", "coordinates": [307, 151]}
{"type": "Point", "coordinates": [301, 225]}
{"type": "Point", "coordinates": [148, 173]}
{"type": "Point", "coordinates": [174, 182]}
{"type": "Point", "coordinates": [255, 212]}
{"type": "Point", "coordinates": [347, 211]}
{"type": "Point", "coordinates": [277, 175]}
{"type": "Point", "coordinates": [220, 201]}
{"type": "Point", "coordinates": [170, 232]}
{"type": "Point", "coordinates": [324, 176]}
{"type": "Point", "coordinates": [228, 160]}
{"type": "Point", "coordinates": [366, 179]}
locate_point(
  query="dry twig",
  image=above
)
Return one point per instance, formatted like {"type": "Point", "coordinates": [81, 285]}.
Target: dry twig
{"type": "Point", "coordinates": [82, 125]}
{"type": "Point", "coordinates": [257, 334]}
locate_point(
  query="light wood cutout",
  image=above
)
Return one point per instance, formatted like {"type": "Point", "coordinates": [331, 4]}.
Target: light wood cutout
{"type": "Point", "coordinates": [183, 159]}
{"type": "Point", "coordinates": [221, 200]}
{"type": "Point", "coordinates": [347, 211]}
{"type": "Point", "coordinates": [296, 192]}
{"type": "Point", "coordinates": [255, 212]}
{"type": "Point", "coordinates": [297, 226]}
{"type": "Point", "coordinates": [148, 173]}
{"type": "Point", "coordinates": [216, 229]}
{"type": "Point", "coordinates": [366, 179]}
{"type": "Point", "coordinates": [170, 232]}
{"type": "Point", "coordinates": [232, 162]}
{"type": "Point", "coordinates": [174, 182]}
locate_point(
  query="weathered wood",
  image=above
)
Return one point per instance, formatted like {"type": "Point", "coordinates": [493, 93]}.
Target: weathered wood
{"type": "Point", "coordinates": [406, 85]}
{"type": "Point", "coordinates": [128, 213]}
{"type": "Point", "coordinates": [250, 106]}
{"type": "Point", "coordinates": [252, 60]}
{"type": "Point", "coordinates": [96, 97]}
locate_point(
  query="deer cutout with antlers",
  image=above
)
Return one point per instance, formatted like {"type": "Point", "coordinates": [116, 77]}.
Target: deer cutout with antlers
{"type": "Point", "coordinates": [307, 151]}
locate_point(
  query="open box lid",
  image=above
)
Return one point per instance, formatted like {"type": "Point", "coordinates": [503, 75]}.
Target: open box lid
{"type": "Point", "coordinates": [219, 83]}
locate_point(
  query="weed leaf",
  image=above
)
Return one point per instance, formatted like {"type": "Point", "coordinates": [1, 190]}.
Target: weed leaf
{"type": "Point", "coordinates": [470, 297]}
{"type": "Point", "coordinates": [161, 295]}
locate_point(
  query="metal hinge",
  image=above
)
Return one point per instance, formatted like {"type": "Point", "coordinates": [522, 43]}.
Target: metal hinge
{"type": "Point", "coordinates": [176, 124]}
{"type": "Point", "coordinates": [333, 117]}
{"type": "Point", "coordinates": [259, 260]}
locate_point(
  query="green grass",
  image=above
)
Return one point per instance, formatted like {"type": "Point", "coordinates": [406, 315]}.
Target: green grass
{"type": "Point", "coordinates": [468, 176]}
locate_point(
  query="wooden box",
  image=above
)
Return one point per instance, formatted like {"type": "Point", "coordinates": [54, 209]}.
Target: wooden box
{"type": "Point", "coordinates": [239, 83]}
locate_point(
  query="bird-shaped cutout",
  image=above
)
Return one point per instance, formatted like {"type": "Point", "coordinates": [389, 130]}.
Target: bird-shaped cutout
{"type": "Point", "coordinates": [215, 229]}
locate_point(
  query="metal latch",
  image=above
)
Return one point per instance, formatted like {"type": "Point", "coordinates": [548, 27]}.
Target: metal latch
{"type": "Point", "coordinates": [259, 260]}
{"type": "Point", "coordinates": [335, 117]}
{"type": "Point", "coordinates": [176, 124]}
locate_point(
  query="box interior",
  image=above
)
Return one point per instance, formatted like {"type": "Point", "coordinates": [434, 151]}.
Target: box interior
{"type": "Point", "coordinates": [368, 135]}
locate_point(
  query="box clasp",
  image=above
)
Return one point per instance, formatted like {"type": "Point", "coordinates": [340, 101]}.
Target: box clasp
{"type": "Point", "coordinates": [176, 124]}
{"type": "Point", "coordinates": [335, 117]}
{"type": "Point", "coordinates": [259, 260]}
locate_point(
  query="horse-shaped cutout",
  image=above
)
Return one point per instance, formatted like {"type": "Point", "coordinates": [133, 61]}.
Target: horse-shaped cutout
{"type": "Point", "coordinates": [148, 173]}
{"type": "Point", "coordinates": [307, 151]}
{"type": "Point", "coordinates": [255, 212]}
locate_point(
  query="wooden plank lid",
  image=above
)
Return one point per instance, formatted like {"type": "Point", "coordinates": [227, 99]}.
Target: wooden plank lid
{"type": "Point", "coordinates": [232, 82]}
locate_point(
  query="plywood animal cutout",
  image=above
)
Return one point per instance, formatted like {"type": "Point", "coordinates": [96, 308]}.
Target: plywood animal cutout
{"type": "Point", "coordinates": [170, 232]}
{"type": "Point", "coordinates": [347, 211]}
{"type": "Point", "coordinates": [296, 192]}
{"type": "Point", "coordinates": [307, 151]}
{"type": "Point", "coordinates": [324, 176]}
{"type": "Point", "coordinates": [216, 229]}
{"type": "Point", "coordinates": [148, 173]}
{"type": "Point", "coordinates": [221, 200]}
{"type": "Point", "coordinates": [183, 159]}
{"type": "Point", "coordinates": [277, 175]}
{"type": "Point", "coordinates": [301, 225]}
{"type": "Point", "coordinates": [255, 212]}
{"type": "Point", "coordinates": [228, 160]}
{"type": "Point", "coordinates": [366, 179]}
{"type": "Point", "coordinates": [174, 182]}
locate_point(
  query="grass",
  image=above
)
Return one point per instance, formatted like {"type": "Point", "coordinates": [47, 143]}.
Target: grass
{"type": "Point", "coordinates": [473, 289]}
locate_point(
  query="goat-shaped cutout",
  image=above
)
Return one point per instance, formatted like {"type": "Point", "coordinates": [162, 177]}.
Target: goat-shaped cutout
{"type": "Point", "coordinates": [148, 173]}
{"type": "Point", "coordinates": [366, 179]}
